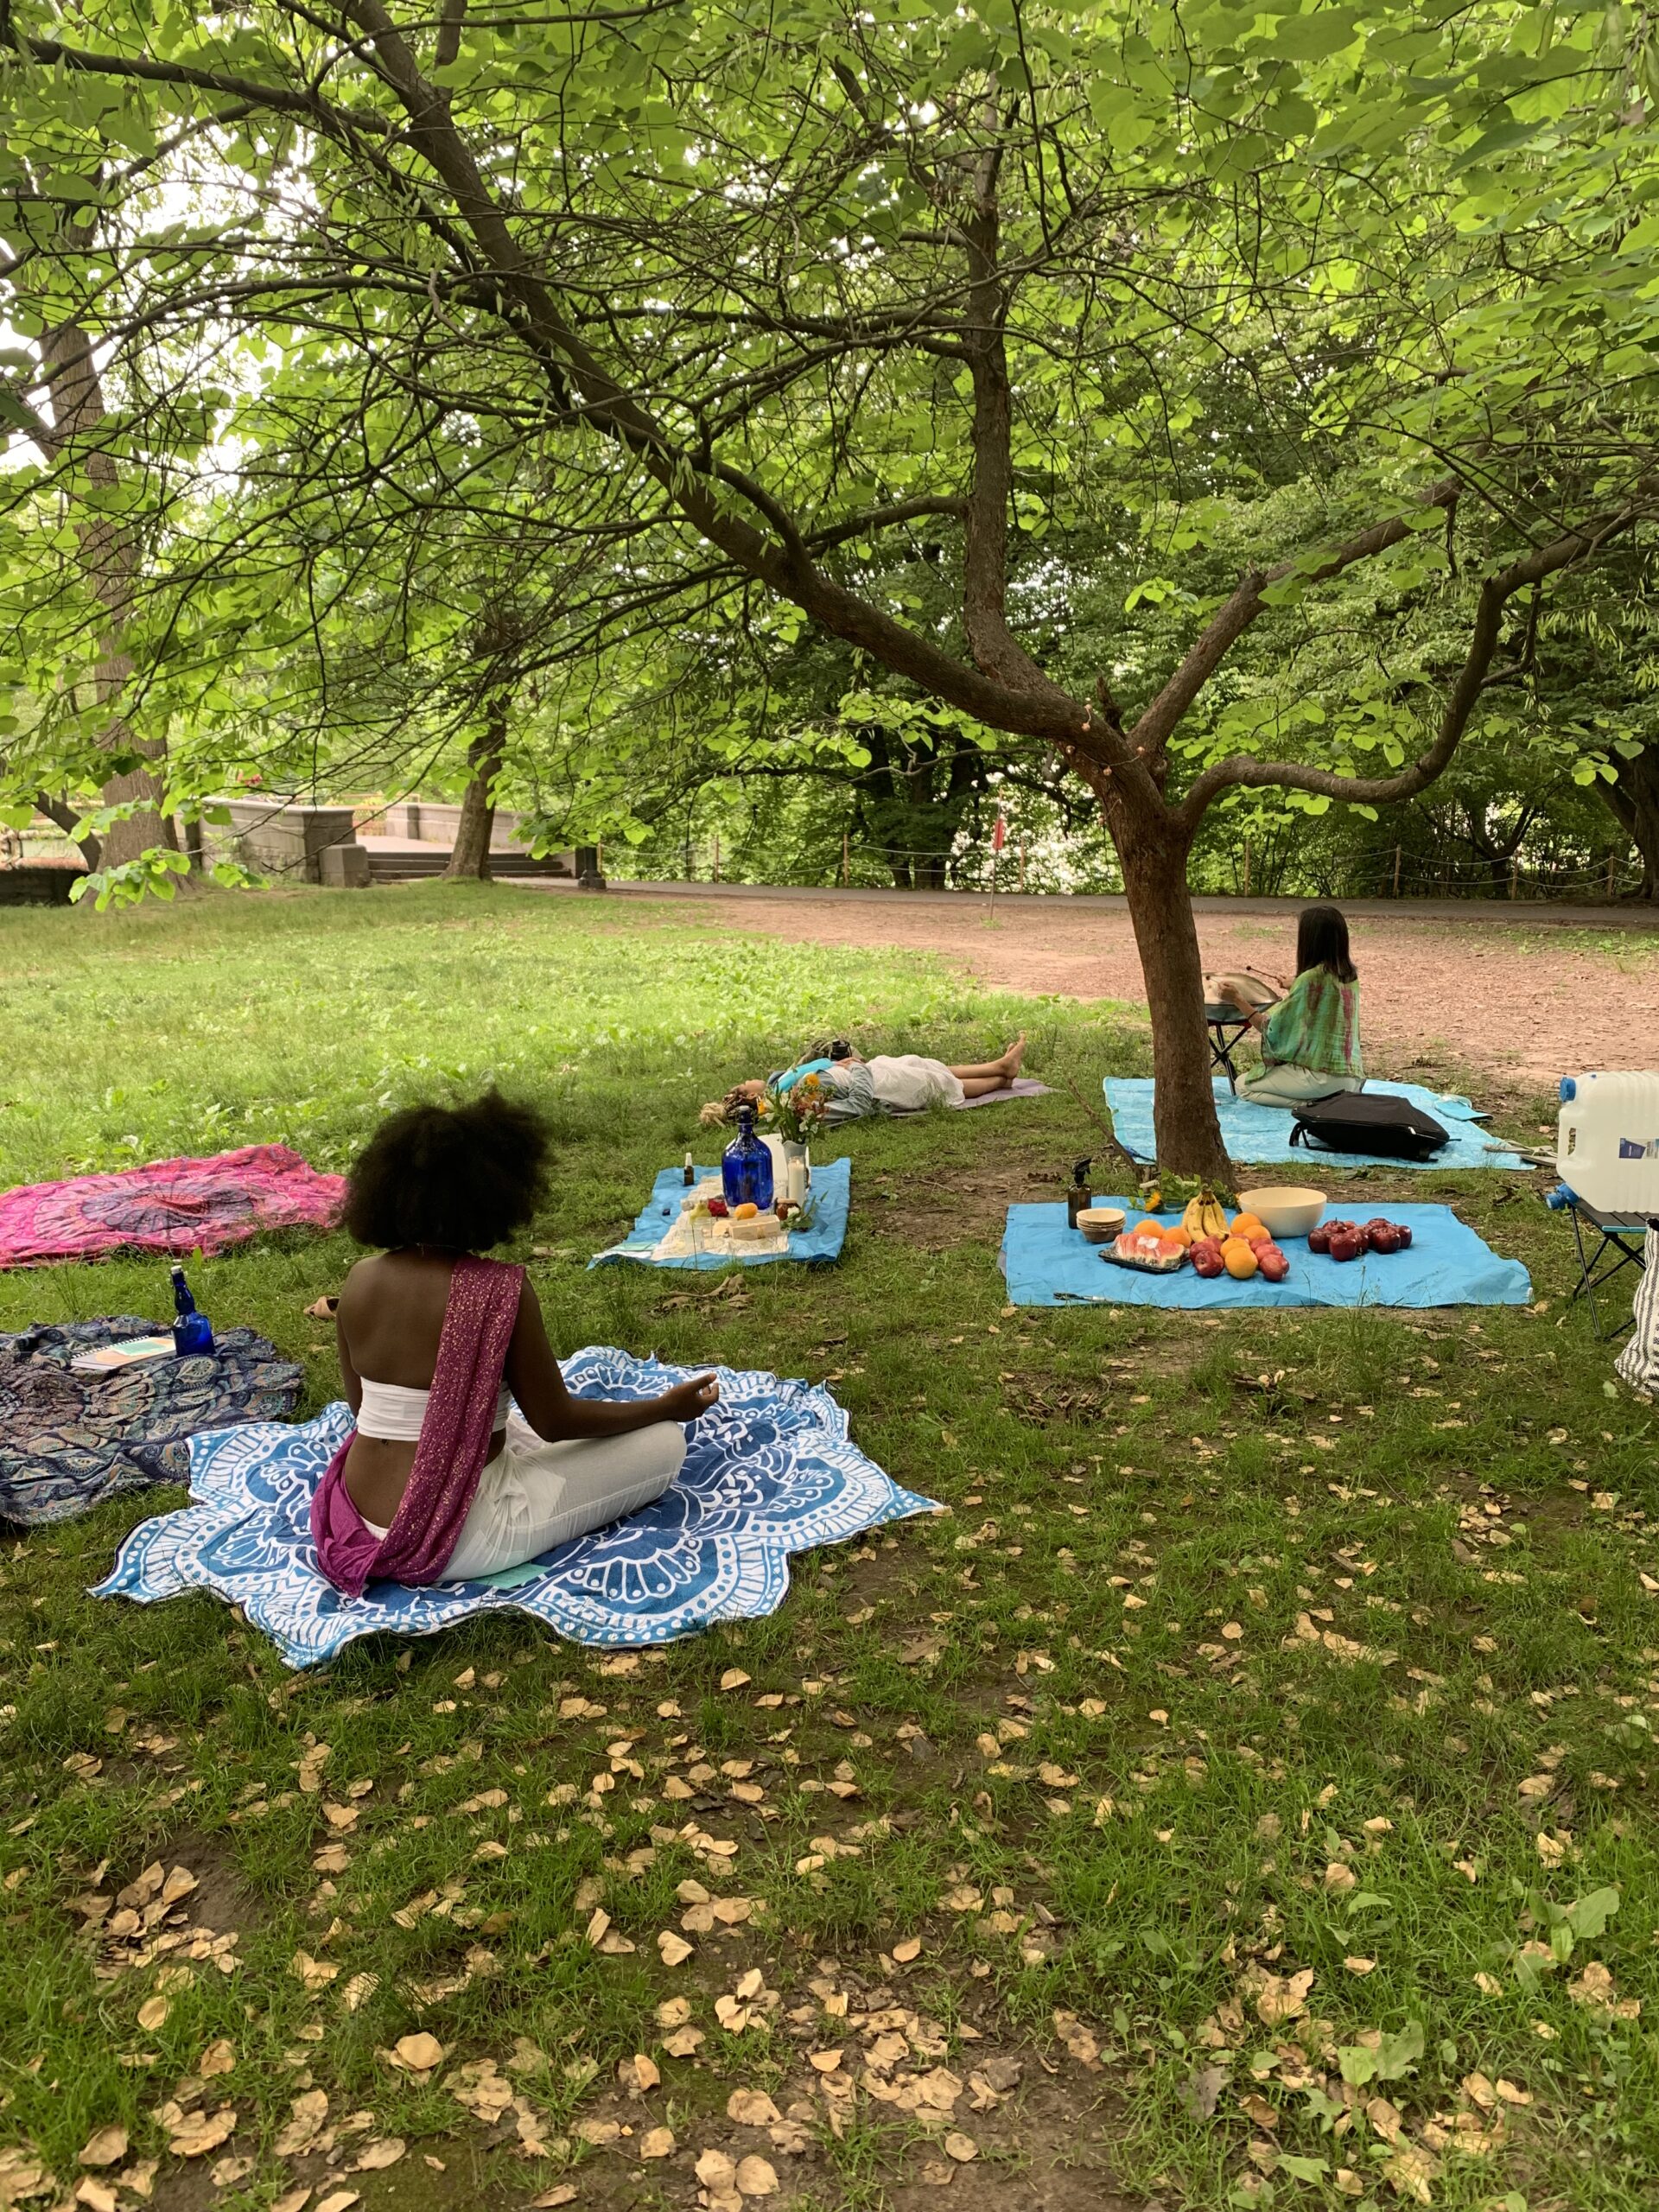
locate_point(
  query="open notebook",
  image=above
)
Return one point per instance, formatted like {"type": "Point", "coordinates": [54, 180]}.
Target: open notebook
{"type": "Point", "coordinates": [131, 1351]}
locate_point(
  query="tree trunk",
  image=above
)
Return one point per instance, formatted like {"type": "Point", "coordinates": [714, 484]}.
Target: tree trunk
{"type": "Point", "coordinates": [1634, 801]}
{"type": "Point", "coordinates": [1166, 936]}
{"type": "Point", "coordinates": [109, 556]}
{"type": "Point", "coordinates": [469, 859]}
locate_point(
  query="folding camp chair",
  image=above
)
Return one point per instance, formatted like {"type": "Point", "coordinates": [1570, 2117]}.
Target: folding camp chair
{"type": "Point", "coordinates": [1227, 1026]}
{"type": "Point", "coordinates": [1605, 1249]}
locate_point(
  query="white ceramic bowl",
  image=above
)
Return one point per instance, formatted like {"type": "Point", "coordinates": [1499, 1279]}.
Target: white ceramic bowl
{"type": "Point", "coordinates": [1284, 1208]}
{"type": "Point", "coordinates": [1100, 1224]}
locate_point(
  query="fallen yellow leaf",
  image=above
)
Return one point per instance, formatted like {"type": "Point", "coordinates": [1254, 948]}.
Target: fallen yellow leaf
{"type": "Point", "coordinates": [104, 2148]}
{"type": "Point", "coordinates": [419, 2053]}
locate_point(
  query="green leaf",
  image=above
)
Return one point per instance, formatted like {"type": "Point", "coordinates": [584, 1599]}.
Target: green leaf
{"type": "Point", "coordinates": [1302, 2169]}
{"type": "Point", "coordinates": [1589, 1914]}
{"type": "Point", "coordinates": [1311, 37]}
{"type": "Point", "coordinates": [1394, 2057]}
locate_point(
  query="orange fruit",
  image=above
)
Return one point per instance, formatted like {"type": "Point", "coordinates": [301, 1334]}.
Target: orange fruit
{"type": "Point", "coordinates": [1180, 1235]}
{"type": "Point", "coordinates": [1249, 1227]}
{"type": "Point", "coordinates": [1238, 1259]}
{"type": "Point", "coordinates": [745, 1213]}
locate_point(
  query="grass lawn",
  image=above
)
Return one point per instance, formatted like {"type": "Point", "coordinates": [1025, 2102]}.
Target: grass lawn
{"type": "Point", "coordinates": [1242, 1796]}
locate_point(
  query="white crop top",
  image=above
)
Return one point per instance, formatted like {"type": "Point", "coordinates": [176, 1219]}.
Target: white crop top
{"type": "Point", "coordinates": [394, 1415]}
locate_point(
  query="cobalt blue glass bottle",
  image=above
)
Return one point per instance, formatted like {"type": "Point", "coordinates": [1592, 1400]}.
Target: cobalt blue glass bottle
{"type": "Point", "coordinates": [746, 1166]}
{"type": "Point", "coordinates": [192, 1330]}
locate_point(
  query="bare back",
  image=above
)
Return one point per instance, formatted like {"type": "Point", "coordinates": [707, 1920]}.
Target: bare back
{"type": "Point", "coordinates": [390, 1324]}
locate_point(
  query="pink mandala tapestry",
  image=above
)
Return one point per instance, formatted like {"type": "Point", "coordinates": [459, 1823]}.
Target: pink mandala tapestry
{"type": "Point", "coordinates": [173, 1205]}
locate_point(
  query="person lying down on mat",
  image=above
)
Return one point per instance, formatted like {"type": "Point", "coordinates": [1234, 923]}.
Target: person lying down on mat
{"type": "Point", "coordinates": [1310, 1037]}
{"type": "Point", "coordinates": [469, 1455]}
{"type": "Point", "coordinates": [896, 1083]}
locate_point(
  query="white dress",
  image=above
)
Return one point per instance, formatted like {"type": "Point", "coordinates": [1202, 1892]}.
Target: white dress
{"type": "Point", "coordinates": [906, 1082]}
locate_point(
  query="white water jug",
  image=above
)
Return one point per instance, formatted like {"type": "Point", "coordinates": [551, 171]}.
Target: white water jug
{"type": "Point", "coordinates": [1607, 1145]}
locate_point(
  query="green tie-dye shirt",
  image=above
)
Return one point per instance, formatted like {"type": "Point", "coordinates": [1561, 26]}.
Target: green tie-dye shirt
{"type": "Point", "coordinates": [1315, 1025]}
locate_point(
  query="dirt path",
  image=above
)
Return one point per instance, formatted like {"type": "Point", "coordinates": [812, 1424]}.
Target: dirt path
{"type": "Point", "coordinates": [1441, 996]}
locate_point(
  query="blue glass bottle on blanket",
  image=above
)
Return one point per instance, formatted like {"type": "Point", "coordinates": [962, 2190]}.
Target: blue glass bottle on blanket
{"type": "Point", "coordinates": [192, 1330]}
{"type": "Point", "coordinates": [746, 1166]}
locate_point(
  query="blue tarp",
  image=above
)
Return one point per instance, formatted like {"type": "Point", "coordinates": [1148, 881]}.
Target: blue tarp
{"type": "Point", "coordinates": [1259, 1135]}
{"type": "Point", "coordinates": [832, 1192]}
{"type": "Point", "coordinates": [1047, 1263]}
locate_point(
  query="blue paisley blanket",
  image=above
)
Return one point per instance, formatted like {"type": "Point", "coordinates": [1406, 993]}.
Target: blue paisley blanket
{"type": "Point", "coordinates": [69, 1439]}
{"type": "Point", "coordinates": [770, 1470]}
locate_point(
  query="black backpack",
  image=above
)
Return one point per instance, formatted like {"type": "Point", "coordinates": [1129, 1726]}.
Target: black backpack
{"type": "Point", "coordinates": [1365, 1120]}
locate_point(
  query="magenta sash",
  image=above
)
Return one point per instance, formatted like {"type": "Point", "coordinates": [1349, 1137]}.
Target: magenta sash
{"type": "Point", "coordinates": [454, 1444]}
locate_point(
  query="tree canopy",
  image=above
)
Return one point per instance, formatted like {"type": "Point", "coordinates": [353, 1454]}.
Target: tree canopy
{"type": "Point", "coordinates": [1206, 400]}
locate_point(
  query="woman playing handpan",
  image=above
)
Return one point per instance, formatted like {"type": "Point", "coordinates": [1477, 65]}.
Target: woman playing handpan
{"type": "Point", "coordinates": [1310, 1038]}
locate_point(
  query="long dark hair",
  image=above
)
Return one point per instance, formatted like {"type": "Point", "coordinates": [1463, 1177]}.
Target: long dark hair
{"type": "Point", "coordinates": [1322, 942]}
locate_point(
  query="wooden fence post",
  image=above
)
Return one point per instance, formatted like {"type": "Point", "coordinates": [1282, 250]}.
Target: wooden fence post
{"type": "Point", "coordinates": [845, 878]}
{"type": "Point", "coordinates": [1396, 871]}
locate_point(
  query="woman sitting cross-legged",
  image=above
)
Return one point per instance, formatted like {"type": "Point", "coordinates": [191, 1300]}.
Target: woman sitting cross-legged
{"type": "Point", "coordinates": [469, 1455]}
{"type": "Point", "coordinates": [1310, 1038]}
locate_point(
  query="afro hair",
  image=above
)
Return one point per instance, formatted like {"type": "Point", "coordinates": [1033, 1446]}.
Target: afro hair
{"type": "Point", "coordinates": [460, 1178]}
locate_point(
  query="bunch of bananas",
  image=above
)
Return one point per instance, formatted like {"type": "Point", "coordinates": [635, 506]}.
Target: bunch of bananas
{"type": "Point", "coordinates": [1204, 1216]}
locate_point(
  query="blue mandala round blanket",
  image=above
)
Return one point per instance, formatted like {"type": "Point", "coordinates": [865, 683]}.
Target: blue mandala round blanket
{"type": "Point", "coordinates": [770, 1470]}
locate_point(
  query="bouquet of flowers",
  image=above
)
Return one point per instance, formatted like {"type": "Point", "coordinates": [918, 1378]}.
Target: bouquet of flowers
{"type": "Point", "coordinates": [796, 1115]}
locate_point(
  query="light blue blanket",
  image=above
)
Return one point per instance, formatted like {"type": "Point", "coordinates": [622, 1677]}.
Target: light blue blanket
{"type": "Point", "coordinates": [770, 1470]}
{"type": "Point", "coordinates": [1259, 1136]}
{"type": "Point", "coordinates": [832, 1198]}
{"type": "Point", "coordinates": [1048, 1264]}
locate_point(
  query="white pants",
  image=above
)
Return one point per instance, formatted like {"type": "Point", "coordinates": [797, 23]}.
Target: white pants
{"type": "Point", "coordinates": [534, 1495]}
{"type": "Point", "coordinates": [906, 1081]}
